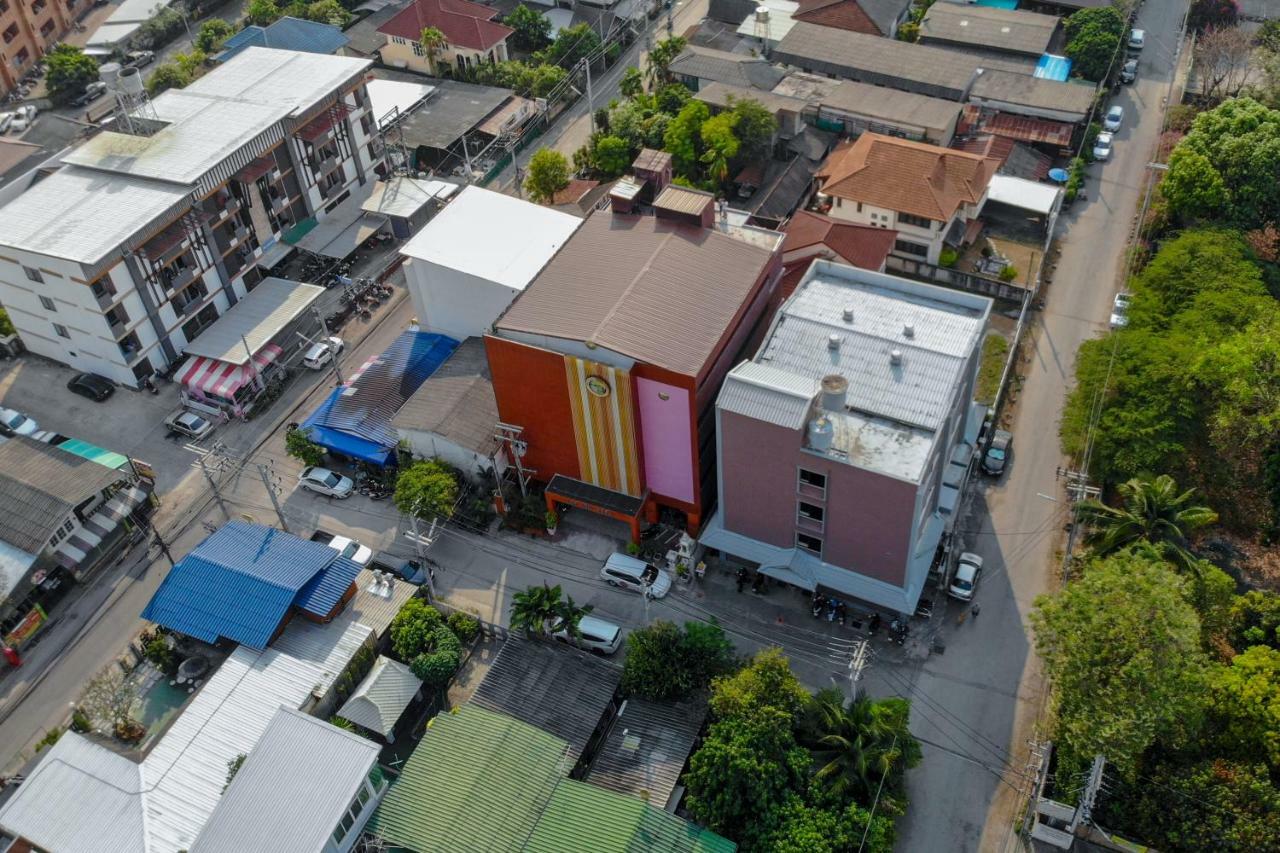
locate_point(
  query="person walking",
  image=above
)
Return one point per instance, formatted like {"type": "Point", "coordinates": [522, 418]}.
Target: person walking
{"type": "Point", "coordinates": [975, 610]}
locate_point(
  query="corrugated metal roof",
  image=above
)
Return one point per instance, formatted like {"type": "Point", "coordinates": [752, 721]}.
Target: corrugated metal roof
{"type": "Point", "coordinates": [271, 76]}
{"type": "Point", "coordinates": [326, 588]}
{"type": "Point", "coordinates": [457, 402]}
{"type": "Point", "coordinates": [81, 798]}
{"type": "Point", "coordinates": [646, 749]}
{"type": "Point", "coordinates": [768, 394]}
{"type": "Point", "coordinates": [257, 318]}
{"type": "Point", "coordinates": [666, 297]}
{"type": "Point", "coordinates": [904, 109]}
{"type": "Point", "coordinates": [558, 689]}
{"type": "Point", "coordinates": [286, 34]}
{"type": "Point", "coordinates": [382, 696]}
{"type": "Point", "coordinates": [724, 95]}
{"type": "Point", "coordinates": [984, 26]}
{"type": "Point", "coordinates": [275, 794]}
{"type": "Point", "coordinates": [580, 817]}
{"type": "Point", "coordinates": [680, 199]}
{"type": "Point", "coordinates": [722, 66]}
{"type": "Point", "coordinates": [39, 486]}
{"type": "Point", "coordinates": [355, 420]}
{"type": "Point", "coordinates": [477, 782]}
{"type": "Point", "coordinates": [1022, 90]}
{"type": "Point", "coordinates": [240, 582]}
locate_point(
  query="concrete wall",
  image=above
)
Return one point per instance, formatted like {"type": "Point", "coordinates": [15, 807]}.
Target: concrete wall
{"type": "Point", "coordinates": [399, 53]}
{"type": "Point", "coordinates": [667, 436]}
{"type": "Point", "coordinates": [429, 445]}
{"type": "Point", "coordinates": [455, 303]}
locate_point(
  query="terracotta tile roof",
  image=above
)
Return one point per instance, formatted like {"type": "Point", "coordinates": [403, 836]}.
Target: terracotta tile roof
{"type": "Point", "coordinates": [574, 191]}
{"type": "Point", "coordinates": [658, 292]}
{"type": "Point", "coordinates": [909, 177]}
{"type": "Point", "coordinates": [839, 14]}
{"type": "Point", "coordinates": [857, 245]}
{"type": "Point", "coordinates": [463, 23]}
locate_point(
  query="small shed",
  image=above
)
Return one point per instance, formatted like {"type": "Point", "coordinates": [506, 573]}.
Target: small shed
{"type": "Point", "coordinates": [407, 203]}
{"type": "Point", "coordinates": [646, 749]}
{"type": "Point", "coordinates": [382, 697]}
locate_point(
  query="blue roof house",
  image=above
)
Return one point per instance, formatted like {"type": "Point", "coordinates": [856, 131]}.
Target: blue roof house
{"type": "Point", "coordinates": [355, 420]}
{"type": "Point", "coordinates": [244, 581]}
{"type": "Point", "coordinates": [286, 34]}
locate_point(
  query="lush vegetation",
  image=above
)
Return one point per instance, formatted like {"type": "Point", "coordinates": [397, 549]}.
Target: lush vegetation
{"type": "Point", "coordinates": [541, 611]}
{"type": "Point", "coordinates": [213, 34]}
{"type": "Point", "coordinates": [1093, 40]}
{"type": "Point", "coordinates": [548, 174]}
{"type": "Point", "coordinates": [68, 71]}
{"type": "Point", "coordinates": [427, 489]}
{"type": "Point", "coordinates": [298, 445]}
{"type": "Point", "coordinates": [785, 771]}
{"type": "Point", "coordinates": [422, 638]}
{"type": "Point", "coordinates": [668, 663]}
{"type": "Point", "coordinates": [532, 28]}
{"type": "Point", "coordinates": [995, 351]}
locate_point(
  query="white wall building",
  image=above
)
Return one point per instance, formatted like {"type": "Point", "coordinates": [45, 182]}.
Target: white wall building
{"type": "Point", "coordinates": [476, 256]}
{"type": "Point", "coordinates": [150, 231]}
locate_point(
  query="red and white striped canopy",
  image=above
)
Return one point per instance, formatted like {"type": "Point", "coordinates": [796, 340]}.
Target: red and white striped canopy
{"type": "Point", "coordinates": [211, 377]}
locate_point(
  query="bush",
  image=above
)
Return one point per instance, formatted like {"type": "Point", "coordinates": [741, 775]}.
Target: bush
{"type": "Point", "coordinates": [157, 650]}
{"type": "Point", "coordinates": [49, 739]}
{"type": "Point", "coordinates": [168, 75]}
{"type": "Point", "coordinates": [160, 29]}
{"type": "Point", "coordinates": [436, 668]}
{"type": "Point", "coordinates": [412, 628]}
{"type": "Point", "coordinates": [666, 663]}
{"type": "Point", "coordinates": [464, 626]}
{"type": "Point", "coordinates": [948, 257]}
{"type": "Point", "coordinates": [80, 722]}
{"type": "Point", "coordinates": [213, 34]}
{"type": "Point", "coordinates": [1009, 273]}
{"type": "Point", "coordinates": [6, 325]}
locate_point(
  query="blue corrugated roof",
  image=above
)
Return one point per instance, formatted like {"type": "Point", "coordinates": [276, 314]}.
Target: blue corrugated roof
{"type": "Point", "coordinates": [326, 589]}
{"type": "Point", "coordinates": [287, 34]}
{"type": "Point", "coordinates": [240, 582]}
{"type": "Point", "coordinates": [355, 420]}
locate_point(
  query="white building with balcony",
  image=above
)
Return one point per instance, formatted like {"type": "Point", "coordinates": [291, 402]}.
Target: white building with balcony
{"type": "Point", "coordinates": [156, 226]}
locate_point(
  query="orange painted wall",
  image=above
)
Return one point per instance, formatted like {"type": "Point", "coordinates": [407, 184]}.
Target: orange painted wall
{"type": "Point", "coordinates": [530, 388]}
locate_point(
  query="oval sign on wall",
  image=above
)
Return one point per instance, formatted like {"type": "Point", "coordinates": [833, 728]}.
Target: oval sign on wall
{"type": "Point", "coordinates": [598, 385]}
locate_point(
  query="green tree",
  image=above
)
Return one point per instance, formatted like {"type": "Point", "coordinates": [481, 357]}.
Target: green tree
{"type": "Point", "coordinates": [571, 45]}
{"type": "Point", "coordinates": [666, 663]}
{"type": "Point", "coordinates": [298, 444]}
{"type": "Point", "coordinates": [532, 28]}
{"type": "Point", "coordinates": [860, 746]}
{"type": "Point", "coordinates": [548, 174]}
{"type": "Point", "coordinates": [213, 34]}
{"type": "Point", "coordinates": [1121, 646]}
{"type": "Point", "coordinates": [1255, 620]}
{"type": "Point", "coordinates": [328, 12]}
{"type": "Point", "coordinates": [262, 12]}
{"type": "Point", "coordinates": [6, 325]}
{"type": "Point", "coordinates": [632, 82]}
{"type": "Point", "coordinates": [765, 682]}
{"type": "Point", "coordinates": [1241, 140]}
{"type": "Point", "coordinates": [1152, 510]}
{"type": "Point", "coordinates": [612, 156]}
{"type": "Point", "coordinates": [433, 42]}
{"type": "Point", "coordinates": [754, 128]}
{"type": "Point", "coordinates": [1246, 705]}
{"type": "Point", "coordinates": [798, 828]}
{"type": "Point", "coordinates": [68, 72]}
{"type": "Point", "coordinates": [412, 628]}
{"type": "Point", "coordinates": [658, 62]}
{"type": "Point", "coordinates": [427, 489]}
{"type": "Point", "coordinates": [721, 145]}
{"type": "Point", "coordinates": [167, 75]}
{"type": "Point", "coordinates": [1193, 187]}
{"type": "Point", "coordinates": [671, 98]}
{"type": "Point", "coordinates": [160, 29]}
{"type": "Point", "coordinates": [568, 616]}
{"type": "Point", "coordinates": [1093, 39]}
{"type": "Point", "coordinates": [683, 139]}
{"type": "Point", "coordinates": [536, 610]}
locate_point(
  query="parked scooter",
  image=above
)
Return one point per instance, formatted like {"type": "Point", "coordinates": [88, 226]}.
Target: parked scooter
{"type": "Point", "coordinates": [898, 631]}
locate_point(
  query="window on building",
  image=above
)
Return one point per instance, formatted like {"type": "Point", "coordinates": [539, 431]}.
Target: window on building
{"type": "Point", "coordinates": [838, 201]}
{"type": "Point", "coordinates": [810, 512]}
{"type": "Point", "coordinates": [918, 221]}
{"type": "Point", "coordinates": [911, 248]}
{"type": "Point", "coordinates": [873, 216]}
{"type": "Point", "coordinates": [352, 815]}
{"type": "Point", "coordinates": [20, 59]}
{"type": "Point", "coordinates": [809, 542]}
{"type": "Point", "coordinates": [33, 274]}
{"type": "Point", "coordinates": [47, 27]}
{"type": "Point", "coordinates": [417, 49]}
{"type": "Point", "coordinates": [4, 7]}
{"type": "Point", "coordinates": [62, 331]}
{"type": "Point", "coordinates": [813, 480]}
{"type": "Point", "coordinates": [48, 304]}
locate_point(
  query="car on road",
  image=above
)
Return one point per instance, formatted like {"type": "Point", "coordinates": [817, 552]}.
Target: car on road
{"type": "Point", "coordinates": [1137, 39]}
{"type": "Point", "coordinates": [1114, 118]}
{"type": "Point", "coordinates": [139, 59]}
{"type": "Point", "coordinates": [1102, 147]}
{"type": "Point", "coordinates": [1120, 311]}
{"type": "Point", "coordinates": [595, 635]}
{"type": "Point", "coordinates": [6, 119]}
{"type": "Point", "coordinates": [965, 581]}
{"type": "Point", "coordinates": [1129, 71]}
{"type": "Point", "coordinates": [189, 424]}
{"type": "Point", "coordinates": [998, 450]}
{"type": "Point", "coordinates": [322, 481]}
{"type": "Point", "coordinates": [19, 123]}
{"type": "Point", "coordinates": [91, 386]}
{"type": "Point", "coordinates": [345, 546]}
{"type": "Point", "coordinates": [15, 423]}
{"type": "Point", "coordinates": [627, 572]}
{"type": "Point", "coordinates": [323, 352]}
{"type": "Point", "coordinates": [91, 93]}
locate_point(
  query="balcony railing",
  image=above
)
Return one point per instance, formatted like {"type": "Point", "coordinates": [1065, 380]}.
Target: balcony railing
{"type": "Point", "coordinates": [105, 296]}
{"type": "Point", "coordinates": [119, 327]}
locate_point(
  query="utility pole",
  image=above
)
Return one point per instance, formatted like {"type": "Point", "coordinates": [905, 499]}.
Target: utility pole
{"type": "Point", "coordinates": [324, 327]}
{"type": "Point", "coordinates": [1037, 768]}
{"type": "Point", "coordinates": [1084, 810]}
{"type": "Point", "coordinates": [268, 479]}
{"type": "Point", "coordinates": [213, 484]}
{"type": "Point", "coordinates": [159, 542]}
{"type": "Point", "coordinates": [466, 158]}
{"type": "Point", "coordinates": [1078, 489]}
{"type": "Point", "coordinates": [591, 107]}
{"type": "Point", "coordinates": [857, 663]}
{"type": "Point", "coordinates": [420, 546]}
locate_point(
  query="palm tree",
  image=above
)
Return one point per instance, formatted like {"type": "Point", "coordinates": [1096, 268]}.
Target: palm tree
{"type": "Point", "coordinates": [568, 615]}
{"type": "Point", "coordinates": [536, 609]}
{"type": "Point", "coordinates": [433, 41]}
{"type": "Point", "coordinates": [857, 745]}
{"type": "Point", "coordinates": [657, 67]}
{"type": "Point", "coordinates": [1151, 510]}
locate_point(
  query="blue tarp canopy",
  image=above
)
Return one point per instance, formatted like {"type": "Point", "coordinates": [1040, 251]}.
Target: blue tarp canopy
{"type": "Point", "coordinates": [241, 581]}
{"type": "Point", "coordinates": [1053, 67]}
{"type": "Point", "coordinates": [355, 420]}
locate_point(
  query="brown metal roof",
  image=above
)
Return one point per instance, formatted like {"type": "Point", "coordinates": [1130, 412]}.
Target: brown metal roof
{"type": "Point", "coordinates": [680, 199]}
{"type": "Point", "coordinates": [649, 160]}
{"type": "Point", "coordinates": [656, 291]}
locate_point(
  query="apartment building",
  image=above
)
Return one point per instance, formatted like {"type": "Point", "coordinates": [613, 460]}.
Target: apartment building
{"type": "Point", "coordinates": [153, 228]}
{"type": "Point", "coordinates": [842, 447]}
{"type": "Point", "coordinates": [28, 28]}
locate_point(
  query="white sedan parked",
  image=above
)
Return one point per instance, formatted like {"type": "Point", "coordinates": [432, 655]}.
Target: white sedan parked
{"type": "Point", "coordinates": [322, 481]}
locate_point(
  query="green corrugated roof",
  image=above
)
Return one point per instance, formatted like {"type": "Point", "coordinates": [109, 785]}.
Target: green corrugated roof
{"type": "Point", "coordinates": [583, 817]}
{"type": "Point", "coordinates": [84, 449]}
{"type": "Point", "coordinates": [477, 782]}
{"type": "Point", "coordinates": [297, 232]}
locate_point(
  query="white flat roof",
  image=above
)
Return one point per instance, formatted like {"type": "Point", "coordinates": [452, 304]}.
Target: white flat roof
{"type": "Point", "coordinates": [778, 24]}
{"type": "Point", "coordinates": [112, 33]}
{"type": "Point", "coordinates": [1023, 194]}
{"type": "Point", "coordinates": [256, 318]}
{"type": "Point", "coordinates": [493, 236]}
{"type": "Point", "coordinates": [281, 77]}
{"type": "Point", "coordinates": [403, 197]}
{"type": "Point", "coordinates": [386, 95]}
{"type": "Point", "coordinates": [136, 11]}
{"type": "Point", "coordinates": [83, 215]}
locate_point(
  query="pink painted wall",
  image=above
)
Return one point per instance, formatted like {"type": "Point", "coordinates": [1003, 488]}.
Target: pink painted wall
{"type": "Point", "coordinates": [666, 438]}
{"type": "Point", "coordinates": [868, 516]}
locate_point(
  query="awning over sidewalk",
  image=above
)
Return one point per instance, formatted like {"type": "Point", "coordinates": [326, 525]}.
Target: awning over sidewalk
{"type": "Point", "coordinates": [221, 379]}
{"type": "Point", "coordinates": [345, 228]}
{"type": "Point", "coordinates": [593, 498]}
{"type": "Point", "coordinates": [73, 552]}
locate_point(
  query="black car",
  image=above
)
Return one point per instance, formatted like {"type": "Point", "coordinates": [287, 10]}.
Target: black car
{"type": "Point", "coordinates": [93, 386]}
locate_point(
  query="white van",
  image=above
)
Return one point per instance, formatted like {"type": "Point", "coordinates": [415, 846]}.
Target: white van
{"type": "Point", "coordinates": [594, 635]}
{"type": "Point", "coordinates": [629, 573]}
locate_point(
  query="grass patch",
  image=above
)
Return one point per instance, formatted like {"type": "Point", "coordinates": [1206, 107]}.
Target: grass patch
{"type": "Point", "coordinates": [995, 349]}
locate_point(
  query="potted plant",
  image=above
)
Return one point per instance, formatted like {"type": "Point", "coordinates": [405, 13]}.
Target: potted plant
{"type": "Point", "coordinates": [553, 521]}
{"type": "Point", "coordinates": [682, 572]}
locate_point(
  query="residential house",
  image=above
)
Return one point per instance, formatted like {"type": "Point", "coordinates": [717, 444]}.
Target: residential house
{"type": "Point", "coordinates": [64, 516]}
{"type": "Point", "coordinates": [152, 229]}
{"type": "Point", "coordinates": [28, 30]}
{"type": "Point", "coordinates": [286, 34]}
{"type": "Point", "coordinates": [850, 108]}
{"type": "Point", "coordinates": [244, 583]}
{"type": "Point", "coordinates": [988, 29]}
{"type": "Point", "coordinates": [871, 17]}
{"type": "Point", "coordinates": [471, 36]}
{"type": "Point", "coordinates": [609, 362]}
{"type": "Point", "coordinates": [276, 799]}
{"type": "Point", "coordinates": [844, 443]}
{"type": "Point", "coordinates": [931, 196]}
{"type": "Point", "coordinates": [812, 236]}
{"type": "Point", "coordinates": [697, 66]}
{"type": "Point", "coordinates": [1020, 95]}
{"type": "Point", "coordinates": [478, 254]}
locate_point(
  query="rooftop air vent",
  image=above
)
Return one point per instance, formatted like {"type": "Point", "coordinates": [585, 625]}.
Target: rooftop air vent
{"type": "Point", "coordinates": [848, 313]}
{"type": "Point", "coordinates": [908, 331]}
{"type": "Point", "coordinates": [895, 357]}
{"type": "Point", "coordinates": [833, 342]}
